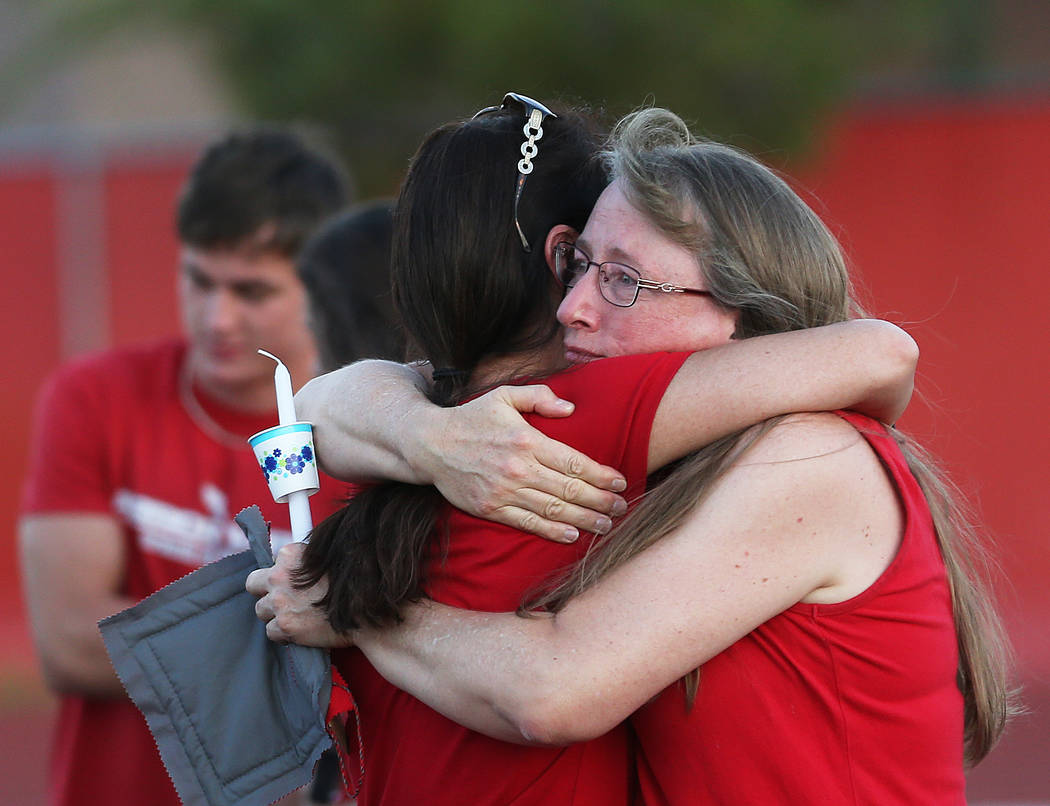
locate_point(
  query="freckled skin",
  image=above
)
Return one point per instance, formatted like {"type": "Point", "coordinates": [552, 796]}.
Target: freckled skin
{"type": "Point", "coordinates": [594, 328]}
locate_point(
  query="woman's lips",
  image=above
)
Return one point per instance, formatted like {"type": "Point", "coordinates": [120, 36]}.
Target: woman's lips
{"type": "Point", "coordinates": [575, 355]}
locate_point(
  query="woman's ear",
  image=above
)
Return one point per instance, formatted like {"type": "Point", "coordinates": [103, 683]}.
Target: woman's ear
{"type": "Point", "coordinates": [558, 233]}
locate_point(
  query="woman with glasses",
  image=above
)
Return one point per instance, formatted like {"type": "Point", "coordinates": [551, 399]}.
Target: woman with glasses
{"type": "Point", "coordinates": [479, 238]}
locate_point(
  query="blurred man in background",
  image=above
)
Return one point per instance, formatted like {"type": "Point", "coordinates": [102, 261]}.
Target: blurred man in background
{"type": "Point", "coordinates": [139, 457]}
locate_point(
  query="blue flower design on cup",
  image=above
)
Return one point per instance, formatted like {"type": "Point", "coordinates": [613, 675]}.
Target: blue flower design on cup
{"type": "Point", "coordinates": [280, 465]}
{"type": "Point", "coordinates": [294, 463]}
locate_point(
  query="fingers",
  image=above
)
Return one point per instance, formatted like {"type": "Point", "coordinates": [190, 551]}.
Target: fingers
{"type": "Point", "coordinates": [560, 492]}
{"type": "Point", "coordinates": [264, 609]}
{"type": "Point", "coordinates": [557, 531]}
{"type": "Point", "coordinates": [537, 398]}
{"type": "Point", "coordinates": [552, 497]}
{"type": "Point", "coordinates": [575, 465]}
{"type": "Point", "coordinates": [551, 517]}
{"type": "Point", "coordinates": [258, 582]}
{"type": "Point", "coordinates": [288, 555]}
{"type": "Point", "coordinates": [266, 612]}
{"type": "Point", "coordinates": [527, 521]}
{"type": "Point", "coordinates": [569, 475]}
{"type": "Point", "coordinates": [516, 475]}
{"type": "Point", "coordinates": [559, 457]}
{"type": "Point", "coordinates": [578, 492]}
{"type": "Point", "coordinates": [275, 633]}
{"type": "Point", "coordinates": [559, 519]}
{"type": "Point", "coordinates": [557, 507]}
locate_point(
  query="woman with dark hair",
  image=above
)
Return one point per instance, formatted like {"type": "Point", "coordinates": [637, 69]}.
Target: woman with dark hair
{"type": "Point", "coordinates": [345, 267]}
{"type": "Point", "coordinates": [478, 236]}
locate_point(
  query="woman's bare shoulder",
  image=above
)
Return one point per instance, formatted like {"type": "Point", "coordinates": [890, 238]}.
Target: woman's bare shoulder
{"type": "Point", "coordinates": [803, 437]}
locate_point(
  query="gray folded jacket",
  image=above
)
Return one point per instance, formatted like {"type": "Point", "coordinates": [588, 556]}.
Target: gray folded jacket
{"type": "Point", "coordinates": [238, 720]}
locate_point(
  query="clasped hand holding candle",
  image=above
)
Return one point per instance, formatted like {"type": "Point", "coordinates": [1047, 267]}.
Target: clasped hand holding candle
{"type": "Point", "coordinates": [286, 456]}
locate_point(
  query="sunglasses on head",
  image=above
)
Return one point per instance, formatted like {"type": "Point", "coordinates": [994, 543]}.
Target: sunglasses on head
{"type": "Point", "coordinates": [535, 113]}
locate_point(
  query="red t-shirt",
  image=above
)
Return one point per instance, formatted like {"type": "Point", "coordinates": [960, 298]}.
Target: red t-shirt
{"type": "Point", "coordinates": [113, 436]}
{"type": "Point", "coordinates": [413, 754]}
{"type": "Point", "coordinates": [848, 703]}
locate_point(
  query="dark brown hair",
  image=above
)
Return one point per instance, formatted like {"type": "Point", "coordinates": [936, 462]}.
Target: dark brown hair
{"type": "Point", "coordinates": [262, 183]}
{"type": "Point", "coordinates": [466, 291]}
{"type": "Point", "coordinates": [345, 267]}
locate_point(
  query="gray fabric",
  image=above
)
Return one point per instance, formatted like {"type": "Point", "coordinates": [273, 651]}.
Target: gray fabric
{"type": "Point", "coordinates": [238, 720]}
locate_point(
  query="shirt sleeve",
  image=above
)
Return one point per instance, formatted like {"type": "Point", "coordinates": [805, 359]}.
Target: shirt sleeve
{"type": "Point", "coordinates": [616, 400]}
{"type": "Point", "coordinates": [68, 469]}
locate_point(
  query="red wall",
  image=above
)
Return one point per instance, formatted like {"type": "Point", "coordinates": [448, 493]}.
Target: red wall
{"type": "Point", "coordinates": [135, 207]}
{"type": "Point", "coordinates": [945, 209]}
{"type": "Point", "coordinates": [30, 345]}
{"type": "Point", "coordinates": [942, 207]}
{"type": "Point", "coordinates": [141, 248]}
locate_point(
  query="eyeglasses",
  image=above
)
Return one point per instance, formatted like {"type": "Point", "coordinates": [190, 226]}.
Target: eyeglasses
{"type": "Point", "coordinates": [535, 112]}
{"type": "Point", "coordinates": [618, 283]}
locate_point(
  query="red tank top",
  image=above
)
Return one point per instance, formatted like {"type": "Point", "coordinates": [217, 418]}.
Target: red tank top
{"type": "Point", "coordinates": [848, 703]}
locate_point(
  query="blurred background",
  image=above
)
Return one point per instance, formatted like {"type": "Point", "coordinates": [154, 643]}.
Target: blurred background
{"type": "Point", "coordinates": [918, 130]}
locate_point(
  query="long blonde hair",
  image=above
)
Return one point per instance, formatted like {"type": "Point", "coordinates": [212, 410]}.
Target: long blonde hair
{"type": "Point", "coordinates": [767, 255]}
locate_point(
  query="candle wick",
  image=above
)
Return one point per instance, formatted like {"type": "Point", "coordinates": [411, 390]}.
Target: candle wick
{"type": "Point", "coordinates": [270, 355]}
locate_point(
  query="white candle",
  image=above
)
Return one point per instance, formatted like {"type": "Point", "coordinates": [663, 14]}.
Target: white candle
{"type": "Point", "coordinates": [299, 514]}
{"type": "Point", "coordinates": [282, 381]}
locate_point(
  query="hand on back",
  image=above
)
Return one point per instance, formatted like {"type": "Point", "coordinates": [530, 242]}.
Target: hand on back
{"type": "Point", "coordinates": [486, 460]}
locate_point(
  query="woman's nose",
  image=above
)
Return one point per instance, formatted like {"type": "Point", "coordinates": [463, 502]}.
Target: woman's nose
{"type": "Point", "coordinates": [582, 303]}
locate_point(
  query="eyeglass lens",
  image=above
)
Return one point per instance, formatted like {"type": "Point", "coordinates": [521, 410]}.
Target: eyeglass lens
{"type": "Point", "coordinates": [617, 282]}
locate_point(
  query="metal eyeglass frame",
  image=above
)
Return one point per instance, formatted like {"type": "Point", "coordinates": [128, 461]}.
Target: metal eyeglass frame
{"type": "Point", "coordinates": [563, 249]}
{"type": "Point", "coordinates": [535, 113]}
